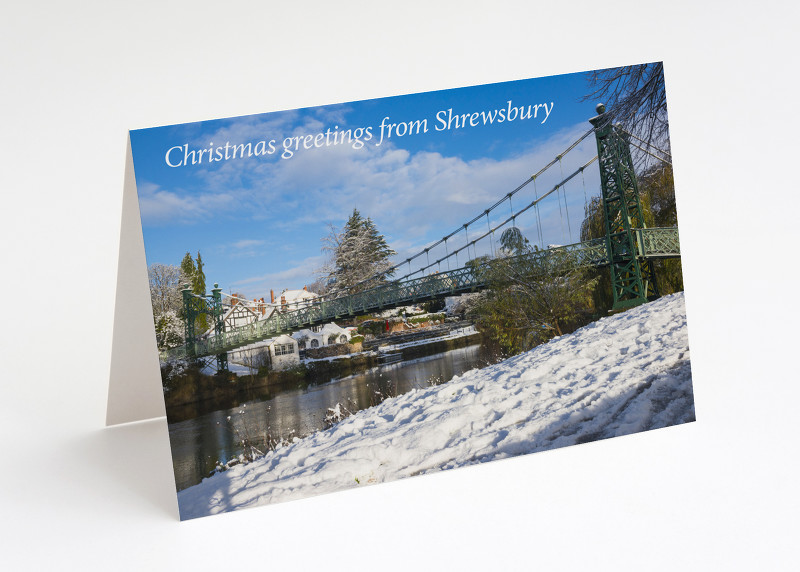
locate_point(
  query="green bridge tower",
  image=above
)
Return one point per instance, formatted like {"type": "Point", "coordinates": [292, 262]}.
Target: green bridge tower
{"type": "Point", "coordinates": [194, 306]}
{"type": "Point", "coordinates": [632, 278]}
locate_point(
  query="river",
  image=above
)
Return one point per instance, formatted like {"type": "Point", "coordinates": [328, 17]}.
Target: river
{"type": "Point", "coordinates": [199, 443]}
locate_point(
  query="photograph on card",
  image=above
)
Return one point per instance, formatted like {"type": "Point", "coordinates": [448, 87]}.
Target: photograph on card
{"type": "Point", "coordinates": [359, 292]}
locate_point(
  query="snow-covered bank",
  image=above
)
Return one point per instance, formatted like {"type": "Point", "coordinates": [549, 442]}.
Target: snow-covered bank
{"type": "Point", "coordinates": [623, 374]}
{"type": "Point", "coordinates": [452, 335]}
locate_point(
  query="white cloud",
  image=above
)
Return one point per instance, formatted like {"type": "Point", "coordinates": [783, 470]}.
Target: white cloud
{"type": "Point", "coordinates": [414, 198]}
{"type": "Point", "coordinates": [247, 243]}
{"type": "Point", "coordinates": [160, 206]}
{"type": "Point", "coordinates": [288, 278]}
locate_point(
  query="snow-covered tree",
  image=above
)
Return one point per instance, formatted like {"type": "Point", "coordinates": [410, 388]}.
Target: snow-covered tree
{"type": "Point", "coordinates": [165, 288]}
{"type": "Point", "coordinates": [355, 253]}
{"type": "Point", "coordinates": [169, 330]}
{"type": "Point", "coordinates": [167, 302]}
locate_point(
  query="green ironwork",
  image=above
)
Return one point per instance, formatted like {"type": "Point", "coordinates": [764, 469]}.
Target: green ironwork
{"type": "Point", "coordinates": [658, 242]}
{"type": "Point", "coordinates": [627, 249]}
{"type": "Point", "coordinates": [400, 293]}
{"type": "Point", "coordinates": [632, 278]}
{"type": "Point", "coordinates": [195, 305]}
{"type": "Point", "coordinates": [189, 314]}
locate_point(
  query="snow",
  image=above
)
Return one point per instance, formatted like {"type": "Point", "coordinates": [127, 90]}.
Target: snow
{"type": "Point", "coordinates": [452, 335]}
{"type": "Point", "coordinates": [620, 375]}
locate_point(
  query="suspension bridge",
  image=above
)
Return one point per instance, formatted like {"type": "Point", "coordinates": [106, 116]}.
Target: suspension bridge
{"type": "Point", "coordinates": [627, 250]}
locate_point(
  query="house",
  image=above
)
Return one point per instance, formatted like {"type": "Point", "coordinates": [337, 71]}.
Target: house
{"type": "Point", "coordinates": [324, 335]}
{"type": "Point", "coordinates": [242, 313]}
{"type": "Point", "coordinates": [289, 300]}
{"type": "Point", "coordinates": [281, 352]}
{"type": "Point", "coordinates": [284, 352]}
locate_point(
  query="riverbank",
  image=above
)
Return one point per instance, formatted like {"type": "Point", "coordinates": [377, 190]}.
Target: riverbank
{"type": "Point", "coordinates": [195, 392]}
{"type": "Point", "coordinates": [620, 375]}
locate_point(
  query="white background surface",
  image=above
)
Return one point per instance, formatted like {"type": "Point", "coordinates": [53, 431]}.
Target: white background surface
{"type": "Point", "coordinates": [720, 493]}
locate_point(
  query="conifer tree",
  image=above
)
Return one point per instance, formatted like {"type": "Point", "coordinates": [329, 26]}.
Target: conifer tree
{"type": "Point", "coordinates": [199, 279]}
{"type": "Point", "coordinates": [356, 253]}
{"type": "Point", "coordinates": [193, 275]}
{"type": "Point", "coordinates": [188, 270]}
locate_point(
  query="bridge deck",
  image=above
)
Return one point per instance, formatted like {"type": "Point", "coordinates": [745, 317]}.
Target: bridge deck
{"type": "Point", "coordinates": [652, 243]}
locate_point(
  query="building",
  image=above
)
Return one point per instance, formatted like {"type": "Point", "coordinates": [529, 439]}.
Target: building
{"type": "Point", "coordinates": [289, 300]}
{"type": "Point", "coordinates": [318, 336]}
{"type": "Point", "coordinates": [242, 313]}
{"type": "Point", "coordinates": [281, 352]}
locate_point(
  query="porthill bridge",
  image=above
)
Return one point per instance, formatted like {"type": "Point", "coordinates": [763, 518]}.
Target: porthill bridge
{"type": "Point", "coordinates": [627, 251]}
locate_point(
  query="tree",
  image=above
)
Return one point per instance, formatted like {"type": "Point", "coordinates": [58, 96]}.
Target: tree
{"type": "Point", "coordinates": [657, 197]}
{"type": "Point", "coordinates": [658, 185]}
{"type": "Point", "coordinates": [355, 253]}
{"type": "Point", "coordinates": [533, 295]}
{"type": "Point", "coordinates": [169, 330]}
{"type": "Point", "coordinates": [165, 288]}
{"type": "Point", "coordinates": [199, 278]}
{"type": "Point", "coordinates": [636, 97]}
{"type": "Point", "coordinates": [193, 275]}
{"type": "Point", "coordinates": [166, 300]}
{"type": "Point", "coordinates": [188, 270]}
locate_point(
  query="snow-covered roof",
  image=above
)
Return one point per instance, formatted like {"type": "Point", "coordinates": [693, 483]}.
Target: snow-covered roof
{"type": "Point", "coordinates": [325, 331]}
{"type": "Point", "coordinates": [332, 328]}
{"type": "Point", "coordinates": [296, 296]}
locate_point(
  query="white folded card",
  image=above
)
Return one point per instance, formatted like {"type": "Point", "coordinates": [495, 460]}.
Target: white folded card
{"type": "Point", "coordinates": [331, 297]}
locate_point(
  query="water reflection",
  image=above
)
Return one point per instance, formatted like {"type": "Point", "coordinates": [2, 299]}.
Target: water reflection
{"type": "Point", "coordinates": [197, 444]}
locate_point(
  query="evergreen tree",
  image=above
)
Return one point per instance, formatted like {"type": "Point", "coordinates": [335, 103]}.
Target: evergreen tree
{"type": "Point", "coordinates": [188, 270]}
{"type": "Point", "coordinates": [199, 278]}
{"type": "Point", "coordinates": [355, 253]}
{"type": "Point", "coordinates": [193, 275]}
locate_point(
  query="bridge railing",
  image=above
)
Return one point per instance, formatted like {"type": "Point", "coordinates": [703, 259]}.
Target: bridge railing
{"type": "Point", "coordinates": [653, 243]}
{"type": "Point", "coordinates": [658, 242]}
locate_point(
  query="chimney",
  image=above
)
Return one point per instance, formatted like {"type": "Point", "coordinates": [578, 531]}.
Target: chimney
{"type": "Point", "coordinates": [283, 300]}
{"type": "Point", "coordinates": [272, 296]}
{"type": "Point", "coordinates": [305, 288]}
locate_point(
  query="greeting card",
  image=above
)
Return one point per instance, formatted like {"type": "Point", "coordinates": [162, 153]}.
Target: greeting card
{"type": "Point", "coordinates": [354, 293]}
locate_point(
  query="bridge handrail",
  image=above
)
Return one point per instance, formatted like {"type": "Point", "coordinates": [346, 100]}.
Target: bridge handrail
{"type": "Point", "coordinates": [654, 242]}
{"type": "Point", "coordinates": [658, 242]}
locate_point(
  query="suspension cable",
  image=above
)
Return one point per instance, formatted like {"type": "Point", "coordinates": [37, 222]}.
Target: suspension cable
{"type": "Point", "coordinates": [643, 142]}
{"type": "Point", "coordinates": [532, 204]}
{"type": "Point", "coordinates": [649, 153]}
{"type": "Point", "coordinates": [494, 206]}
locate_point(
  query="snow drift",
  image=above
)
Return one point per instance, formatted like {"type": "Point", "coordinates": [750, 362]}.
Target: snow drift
{"type": "Point", "coordinates": [620, 375]}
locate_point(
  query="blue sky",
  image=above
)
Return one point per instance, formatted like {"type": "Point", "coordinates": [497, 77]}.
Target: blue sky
{"type": "Point", "coordinates": [258, 221]}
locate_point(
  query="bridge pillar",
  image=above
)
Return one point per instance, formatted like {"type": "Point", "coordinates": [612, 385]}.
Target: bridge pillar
{"type": "Point", "coordinates": [632, 277]}
{"type": "Point", "coordinates": [189, 316]}
{"type": "Point", "coordinates": [219, 324]}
